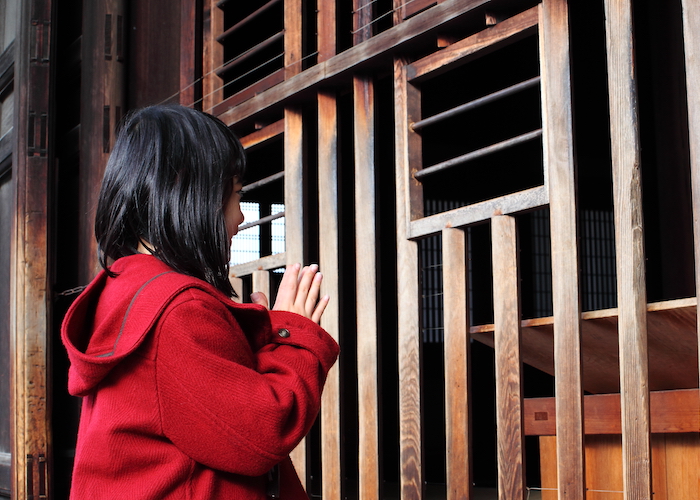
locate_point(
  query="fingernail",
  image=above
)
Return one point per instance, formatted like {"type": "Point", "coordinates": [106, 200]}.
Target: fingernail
{"type": "Point", "coordinates": [318, 277]}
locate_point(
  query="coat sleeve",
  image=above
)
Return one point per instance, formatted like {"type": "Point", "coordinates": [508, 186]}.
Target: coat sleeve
{"type": "Point", "coordinates": [226, 406]}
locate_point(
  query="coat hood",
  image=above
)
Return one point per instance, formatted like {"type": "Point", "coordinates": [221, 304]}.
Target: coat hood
{"type": "Point", "coordinates": [113, 316]}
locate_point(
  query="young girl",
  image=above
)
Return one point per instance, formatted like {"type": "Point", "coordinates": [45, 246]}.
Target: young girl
{"type": "Point", "coordinates": [187, 394]}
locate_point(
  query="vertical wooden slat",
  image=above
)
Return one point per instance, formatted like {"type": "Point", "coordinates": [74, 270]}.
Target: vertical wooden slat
{"type": "Point", "coordinates": [30, 305]}
{"type": "Point", "coordinates": [629, 241]}
{"type": "Point", "coordinates": [408, 285]}
{"type": "Point", "coordinates": [261, 283]}
{"type": "Point", "coordinates": [326, 30]}
{"type": "Point", "coordinates": [559, 163]}
{"type": "Point", "coordinates": [361, 20]}
{"type": "Point", "coordinates": [330, 265]}
{"type": "Point", "coordinates": [292, 37]}
{"type": "Point", "coordinates": [188, 50]}
{"type": "Point", "coordinates": [237, 284]}
{"type": "Point", "coordinates": [509, 384]}
{"type": "Point", "coordinates": [365, 248]}
{"type": "Point", "coordinates": [691, 37]}
{"type": "Point", "coordinates": [294, 219]}
{"type": "Point", "coordinates": [212, 55]}
{"type": "Point", "coordinates": [457, 389]}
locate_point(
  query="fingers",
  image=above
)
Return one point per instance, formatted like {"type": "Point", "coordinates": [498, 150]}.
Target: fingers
{"type": "Point", "coordinates": [299, 292]}
{"type": "Point", "coordinates": [320, 307]}
{"type": "Point", "coordinates": [260, 299]}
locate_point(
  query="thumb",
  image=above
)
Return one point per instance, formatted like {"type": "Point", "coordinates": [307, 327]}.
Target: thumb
{"type": "Point", "coordinates": [260, 299]}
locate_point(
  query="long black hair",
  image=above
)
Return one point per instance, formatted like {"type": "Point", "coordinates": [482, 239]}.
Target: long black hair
{"type": "Point", "coordinates": [165, 185]}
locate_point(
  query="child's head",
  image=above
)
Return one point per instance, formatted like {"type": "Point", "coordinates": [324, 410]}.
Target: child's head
{"type": "Point", "coordinates": [165, 185]}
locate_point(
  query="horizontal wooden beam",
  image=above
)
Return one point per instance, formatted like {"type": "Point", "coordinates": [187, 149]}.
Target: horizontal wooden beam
{"type": "Point", "coordinates": [264, 134]}
{"type": "Point", "coordinates": [268, 263]}
{"type": "Point", "coordinates": [671, 412]}
{"type": "Point", "coordinates": [382, 47]}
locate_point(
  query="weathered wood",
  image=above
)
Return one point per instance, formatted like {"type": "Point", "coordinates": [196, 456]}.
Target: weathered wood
{"type": "Point", "coordinates": [294, 219]}
{"type": "Point", "coordinates": [509, 384]}
{"type": "Point", "coordinates": [326, 21]}
{"type": "Point", "coordinates": [30, 302]}
{"type": "Point", "coordinates": [478, 212]}
{"type": "Point", "coordinates": [560, 177]}
{"type": "Point", "coordinates": [673, 356]}
{"type": "Point", "coordinates": [251, 91]}
{"type": "Point", "coordinates": [691, 37]}
{"type": "Point", "coordinates": [412, 7]}
{"type": "Point", "coordinates": [329, 251]}
{"type": "Point", "coordinates": [408, 287]}
{"type": "Point", "coordinates": [367, 318]}
{"type": "Point", "coordinates": [292, 38]}
{"type": "Point", "coordinates": [237, 284]}
{"type": "Point", "coordinates": [414, 151]}
{"type": "Point", "coordinates": [212, 55]}
{"type": "Point", "coordinates": [188, 54]}
{"type": "Point", "coordinates": [267, 263]}
{"type": "Point", "coordinates": [671, 412]}
{"type": "Point", "coordinates": [457, 388]}
{"type": "Point", "coordinates": [361, 20]}
{"type": "Point", "coordinates": [261, 283]}
{"type": "Point", "coordinates": [384, 46]}
{"type": "Point", "coordinates": [503, 33]}
{"type": "Point", "coordinates": [629, 244]}
{"type": "Point", "coordinates": [259, 137]}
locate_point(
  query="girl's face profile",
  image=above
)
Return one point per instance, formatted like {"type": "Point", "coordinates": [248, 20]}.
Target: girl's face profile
{"type": "Point", "coordinates": [232, 209]}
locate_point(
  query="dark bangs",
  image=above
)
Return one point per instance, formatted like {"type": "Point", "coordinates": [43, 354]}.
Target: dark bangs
{"type": "Point", "coordinates": [165, 185]}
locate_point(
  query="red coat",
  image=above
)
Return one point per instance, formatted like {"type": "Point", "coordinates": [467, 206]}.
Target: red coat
{"type": "Point", "coordinates": [186, 394]}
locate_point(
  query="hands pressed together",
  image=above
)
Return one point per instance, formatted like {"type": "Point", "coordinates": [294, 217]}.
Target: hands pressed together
{"type": "Point", "coordinates": [298, 293]}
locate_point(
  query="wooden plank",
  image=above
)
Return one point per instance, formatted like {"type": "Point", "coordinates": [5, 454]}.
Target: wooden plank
{"type": "Point", "coordinates": [479, 212]}
{"type": "Point", "coordinates": [383, 46]}
{"type": "Point", "coordinates": [457, 387]}
{"type": "Point", "coordinates": [237, 284]}
{"type": "Point", "coordinates": [479, 44]}
{"type": "Point", "coordinates": [361, 21]}
{"type": "Point", "coordinates": [629, 244]}
{"type": "Point", "coordinates": [261, 283]}
{"type": "Point", "coordinates": [671, 412]}
{"type": "Point", "coordinates": [249, 92]}
{"type": "Point", "coordinates": [292, 37]}
{"type": "Point", "coordinates": [188, 56]}
{"type": "Point", "coordinates": [413, 7]}
{"type": "Point", "coordinates": [365, 248]}
{"type": "Point", "coordinates": [509, 384]}
{"type": "Point", "coordinates": [560, 176]}
{"type": "Point", "coordinates": [264, 134]}
{"type": "Point", "coordinates": [266, 263]}
{"type": "Point", "coordinates": [212, 55]}
{"type": "Point", "coordinates": [691, 38]}
{"type": "Point", "coordinates": [408, 287]}
{"type": "Point", "coordinates": [30, 284]}
{"type": "Point", "coordinates": [326, 21]}
{"type": "Point", "coordinates": [548, 467]}
{"type": "Point", "coordinates": [329, 252]}
{"type": "Point", "coordinates": [294, 220]}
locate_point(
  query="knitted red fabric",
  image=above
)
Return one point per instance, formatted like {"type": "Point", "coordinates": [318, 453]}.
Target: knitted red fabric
{"type": "Point", "coordinates": [186, 394]}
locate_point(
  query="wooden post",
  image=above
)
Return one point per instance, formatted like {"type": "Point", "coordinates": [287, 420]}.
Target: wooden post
{"type": "Point", "coordinates": [558, 141]}
{"type": "Point", "coordinates": [329, 229]}
{"type": "Point", "coordinates": [457, 388]}
{"type": "Point", "coordinates": [294, 219]}
{"type": "Point", "coordinates": [629, 243]}
{"type": "Point", "coordinates": [30, 302]}
{"type": "Point", "coordinates": [212, 55]}
{"type": "Point", "coordinates": [261, 283]}
{"type": "Point", "coordinates": [292, 38]}
{"type": "Point", "coordinates": [190, 70]}
{"type": "Point", "coordinates": [408, 285]}
{"type": "Point", "coordinates": [691, 37]}
{"type": "Point", "coordinates": [365, 249]}
{"type": "Point", "coordinates": [509, 384]}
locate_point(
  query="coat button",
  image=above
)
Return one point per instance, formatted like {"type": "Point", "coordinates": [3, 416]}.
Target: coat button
{"type": "Point", "coordinates": [283, 332]}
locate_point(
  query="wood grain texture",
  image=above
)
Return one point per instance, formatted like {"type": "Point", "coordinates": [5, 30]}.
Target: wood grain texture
{"type": "Point", "coordinates": [266, 263]}
{"type": "Point", "coordinates": [408, 286]}
{"type": "Point", "coordinates": [261, 283]}
{"type": "Point", "coordinates": [384, 46]}
{"type": "Point", "coordinates": [629, 244]}
{"type": "Point", "coordinates": [329, 252]}
{"type": "Point", "coordinates": [294, 220]}
{"type": "Point", "coordinates": [671, 412]}
{"type": "Point", "coordinates": [691, 38]}
{"type": "Point", "coordinates": [490, 39]}
{"type": "Point", "coordinates": [30, 284]}
{"type": "Point", "coordinates": [212, 55]}
{"type": "Point", "coordinates": [560, 177]}
{"type": "Point", "coordinates": [292, 37]}
{"type": "Point", "coordinates": [365, 250]}
{"type": "Point", "coordinates": [457, 387]}
{"type": "Point", "coordinates": [509, 384]}
{"type": "Point", "coordinates": [259, 137]}
{"type": "Point", "coordinates": [188, 56]}
{"type": "Point", "coordinates": [326, 16]}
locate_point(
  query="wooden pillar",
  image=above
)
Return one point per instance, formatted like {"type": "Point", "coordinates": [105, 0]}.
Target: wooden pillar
{"type": "Point", "coordinates": [329, 251]}
{"type": "Point", "coordinates": [294, 220]}
{"type": "Point", "coordinates": [261, 283]}
{"type": "Point", "coordinates": [691, 38]}
{"type": "Point", "coordinates": [190, 50]}
{"type": "Point", "coordinates": [212, 55]}
{"type": "Point", "coordinates": [629, 242]}
{"type": "Point", "coordinates": [408, 286]}
{"type": "Point", "coordinates": [457, 388]}
{"type": "Point", "coordinates": [292, 38]}
{"type": "Point", "coordinates": [30, 341]}
{"type": "Point", "coordinates": [509, 383]}
{"type": "Point", "coordinates": [558, 145]}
